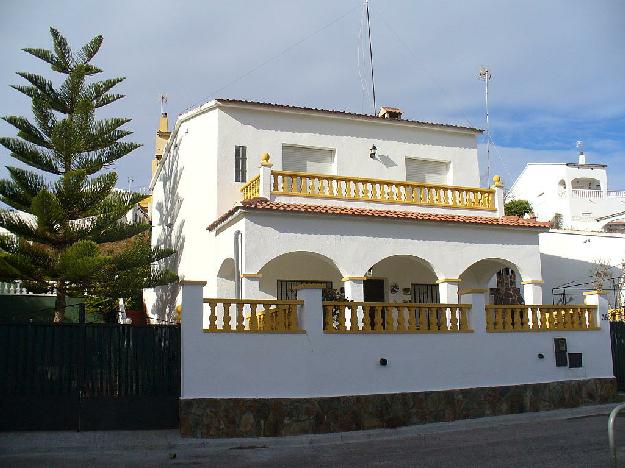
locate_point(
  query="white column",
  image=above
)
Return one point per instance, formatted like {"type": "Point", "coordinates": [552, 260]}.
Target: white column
{"type": "Point", "coordinates": [354, 288]}
{"type": "Point", "coordinates": [533, 292]}
{"type": "Point", "coordinates": [311, 313]}
{"type": "Point", "coordinates": [477, 316]}
{"type": "Point", "coordinates": [191, 327]}
{"type": "Point", "coordinates": [448, 290]}
{"type": "Point", "coordinates": [595, 298]}
{"type": "Point", "coordinates": [250, 285]}
{"type": "Point", "coordinates": [499, 199]}
{"type": "Point", "coordinates": [265, 177]}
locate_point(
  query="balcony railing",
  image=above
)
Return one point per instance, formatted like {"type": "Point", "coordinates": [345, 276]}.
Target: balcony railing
{"type": "Point", "coordinates": [587, 193]}
{"type": "Point", "coordinates": [378, 190]}
{"type": "Point", "coordinates": [537, 318]}
{"type": "Point", "coordinates": [380, 317]}
{"type": "Point", "coordinates": [252, 316]}
{"type": "Point", "coordinates": [251, 189]}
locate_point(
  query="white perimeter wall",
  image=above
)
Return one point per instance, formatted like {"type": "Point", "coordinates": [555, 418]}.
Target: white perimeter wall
{"type": "Point", "coordinates": [569, 256]}
{"type": "Point", "coordinates": [222, 365]}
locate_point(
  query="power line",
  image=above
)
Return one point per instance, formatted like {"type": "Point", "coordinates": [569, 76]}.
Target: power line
{"type": "Point", "coordinates": [283, 51]}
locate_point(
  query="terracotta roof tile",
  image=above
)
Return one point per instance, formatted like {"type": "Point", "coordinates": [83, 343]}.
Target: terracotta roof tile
{"type": "Point", "coordinates": [261, 204]}
{"type": "Point", "coordinates": [271, 105]}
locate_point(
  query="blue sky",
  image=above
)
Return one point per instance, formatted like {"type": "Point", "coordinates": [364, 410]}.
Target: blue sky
{"type": "Point", "coordinates": [558, 67]}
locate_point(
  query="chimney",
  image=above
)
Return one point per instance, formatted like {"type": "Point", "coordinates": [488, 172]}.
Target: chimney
{"type": "Point", "coordinates": [390, 113]}
{"type": "Point", "coordinates": [581, 155]}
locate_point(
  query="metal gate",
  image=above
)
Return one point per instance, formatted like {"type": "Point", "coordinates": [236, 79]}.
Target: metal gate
{"type": "Point", "coordinates": [89, 376]}
{"type": "Point", "coordinates": [617, 335]}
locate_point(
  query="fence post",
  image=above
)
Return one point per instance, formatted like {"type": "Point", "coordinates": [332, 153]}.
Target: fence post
{"type": "Point", "coordinates": [191, 328]}
{"type": "Point", "coordinates": [499, 196]}
{"type": "Point", "coordinates": [311, 315]}
{"type": "Point", "coordinates": [265, 177]}
{"type": "Point", "coordinates": [595, 298]}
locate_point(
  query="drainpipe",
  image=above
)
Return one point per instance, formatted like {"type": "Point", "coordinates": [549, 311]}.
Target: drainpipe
{"type": "Point", "coordinates": [237, 264]}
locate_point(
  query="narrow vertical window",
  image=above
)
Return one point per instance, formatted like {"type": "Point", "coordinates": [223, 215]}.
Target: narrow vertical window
{"type": "Point", "coordinates": [240, 164]}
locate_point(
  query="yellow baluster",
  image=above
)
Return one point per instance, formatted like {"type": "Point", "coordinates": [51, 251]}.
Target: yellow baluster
{"type": "Point", "coordinates": [490, 322]}
{"type": "Point", "coordinates": [507, 319]}
{"type": "Point", "coordinates": [455, 318]}
{"type": "Point", "coordinates": [518, 325]}
{"type": "Point", "coordinates": [341, 319]}
{"type": "Point", "coordinates": [423, 319]}
{"type": "Point", "coordinates": [328, 319]}
{"type": "Point", "coordinates": [433, 325]}
{"type": "Point", "coordinates": [591, 319]}
{"type": "Point", "coordinates": [212, 317]}
{"type": "Point", "coordinates": [227, 318]}
{"type": "Point", "coordinates": [441, 312]}
{"type": "Point", "coordinates": [464, 320]}
{"type": "Point", "coordinates": [353, 318]}
{"type": "Point", "coordinates": [498, 325]}
{"type": "Point", "coordinates": [378, 318]}
{"type": "Point", "coordinates": [401, 323]}
{"type": "Point", "coordinates": [388, 319]}
{"type": "Point", "coordinates": [366, 319]}
{"type": "Point", "coordinates": [240, 319]}
{"type": "Point", "coordinates": [412, 318]}
{"type": "Point", "coordinates": [253, 318]}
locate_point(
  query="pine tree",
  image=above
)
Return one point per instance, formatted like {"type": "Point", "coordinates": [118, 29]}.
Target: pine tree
{"type": "Point", "coordinates": [66, 206]}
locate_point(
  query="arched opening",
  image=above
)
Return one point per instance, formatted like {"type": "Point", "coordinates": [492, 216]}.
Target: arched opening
{"type": "Point", "coordinates": [281, 275]}
{"type": "Point", "coordinates": [500, 278]}
{"type": "Point", "coordinates": [225, 279]}
{"type": "Point", "coordinates": [401, 278]}
{"type": "Point", "coordinates": [585, 183]}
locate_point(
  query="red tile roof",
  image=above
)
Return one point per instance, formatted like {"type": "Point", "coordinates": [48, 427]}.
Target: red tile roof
{"type": "Point", "coordinates": [270, 105]}
{"type": "Point", "coordinates": [261, 204]}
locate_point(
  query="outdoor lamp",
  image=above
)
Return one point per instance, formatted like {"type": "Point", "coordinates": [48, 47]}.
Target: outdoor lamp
{"type": "Point", "coordinates": [372, 152]}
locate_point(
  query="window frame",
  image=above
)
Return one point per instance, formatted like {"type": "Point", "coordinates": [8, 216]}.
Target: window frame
{"type": "Point", "coordinates": [240, 163]}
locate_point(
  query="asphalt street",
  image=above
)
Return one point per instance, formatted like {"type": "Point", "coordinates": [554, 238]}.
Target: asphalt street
{"type": "Point", "coordinates": [565, 438]}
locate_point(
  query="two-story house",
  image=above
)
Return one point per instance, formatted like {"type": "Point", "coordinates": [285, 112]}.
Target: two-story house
{"type": "Point", "coordinates": [257, 198]}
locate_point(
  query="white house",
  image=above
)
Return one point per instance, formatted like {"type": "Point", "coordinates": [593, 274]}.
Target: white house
{"type": "Point", "coordinates": [589, 231]}
{"type": "Point", "coordinates": [341, 197]}
{"type": "Point", "coordinates": [267, 205]}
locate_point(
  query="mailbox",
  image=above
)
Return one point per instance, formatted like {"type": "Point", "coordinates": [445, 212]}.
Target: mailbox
{"type": "Point", "coordinates": [560, 348]}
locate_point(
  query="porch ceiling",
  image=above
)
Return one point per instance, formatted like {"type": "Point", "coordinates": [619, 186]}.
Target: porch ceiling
{"type": "Point", "coordinates": [260, 204]}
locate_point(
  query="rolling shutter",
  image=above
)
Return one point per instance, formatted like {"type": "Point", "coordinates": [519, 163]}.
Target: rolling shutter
{"type": "Point", "coordinates": [306, 159]}
{"type": "Point", "coordinates": [422, 170]}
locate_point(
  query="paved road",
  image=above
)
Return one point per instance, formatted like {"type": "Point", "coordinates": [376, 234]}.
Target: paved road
{"type": "Point", "coordinates": [568, 438]}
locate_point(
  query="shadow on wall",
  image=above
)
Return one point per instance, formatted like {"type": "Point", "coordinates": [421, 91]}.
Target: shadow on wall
{"type": "Point", "coordinates": [569, 278]}
{"type": "Point", "coordinates": [170, 229]}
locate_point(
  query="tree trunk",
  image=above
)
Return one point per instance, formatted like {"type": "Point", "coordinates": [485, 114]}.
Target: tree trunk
{"type": "Point", "coordinates": [59, 305]}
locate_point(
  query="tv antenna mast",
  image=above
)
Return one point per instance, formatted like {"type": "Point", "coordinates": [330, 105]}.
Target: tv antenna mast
{"type": "Point", "coordinates": [163, 103]}
{"type": "Point", "coordinates": [370, 55]}
{"type": "Point", "coordinates": [485, 76]}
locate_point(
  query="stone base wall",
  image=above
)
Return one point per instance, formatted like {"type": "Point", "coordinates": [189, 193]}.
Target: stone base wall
{"type": "Point", "coordinates": [269, 417]}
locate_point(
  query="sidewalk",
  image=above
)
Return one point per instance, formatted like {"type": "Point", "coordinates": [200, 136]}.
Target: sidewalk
{"type": "Point", "coordinates": [16, 443]}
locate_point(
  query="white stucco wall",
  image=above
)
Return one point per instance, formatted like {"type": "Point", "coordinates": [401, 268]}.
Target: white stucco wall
{"type": "Point", "coordinates": [568, 257]}
{"type": "Point", "coordinates": [318, 364]}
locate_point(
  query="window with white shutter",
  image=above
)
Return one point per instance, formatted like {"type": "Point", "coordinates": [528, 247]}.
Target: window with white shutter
{"type": "Point", "coordinates": [423, 170]}
{"type": "Point", "coordinates": [306, 159]}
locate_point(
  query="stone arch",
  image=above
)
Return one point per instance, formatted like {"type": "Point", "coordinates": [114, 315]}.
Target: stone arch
{"type": "Point", "coordinates": [225, 278]}
{"type": "Point", "coordinates": [280, 274]}
{"type": "Point", "coordinates": [494, 273]}
{"type": "Point", "coordinates": [404, 276]}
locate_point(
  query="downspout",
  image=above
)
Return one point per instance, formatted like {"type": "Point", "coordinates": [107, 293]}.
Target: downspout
{"type": "Point", "coordinates": [237, 264]}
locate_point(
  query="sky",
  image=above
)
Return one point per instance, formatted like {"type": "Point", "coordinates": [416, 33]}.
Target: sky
{"type": "Point", "coordinates": [558, 66]}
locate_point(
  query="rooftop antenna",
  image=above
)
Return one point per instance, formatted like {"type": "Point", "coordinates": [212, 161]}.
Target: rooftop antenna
{"type": "Point", "coordinates": [370, 55]}
{"type": "Point", "coordinates": [485, 76]}
{"type": "Point", "coordinates": [163, 104]}
{"type": "Point", "coordinates": [580, 150]}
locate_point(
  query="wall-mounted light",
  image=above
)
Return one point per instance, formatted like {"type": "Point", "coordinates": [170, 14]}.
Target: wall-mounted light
{"type": "Point", "coordinates": [372, 152]}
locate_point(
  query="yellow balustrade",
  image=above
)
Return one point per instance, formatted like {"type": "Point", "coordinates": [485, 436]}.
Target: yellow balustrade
{"type": "Point", "coordinates": [536, 318]}
{"type": "Point", "coordinates": [251, 189]}
{"type": "Point", "coordinates": [251, 316]}
{"type": "Point", "coordinates": [616, 315]}
{"type": "Point", "coordinates": [393, 317]}
{"type": "Point", "coordinates": [379, 190]}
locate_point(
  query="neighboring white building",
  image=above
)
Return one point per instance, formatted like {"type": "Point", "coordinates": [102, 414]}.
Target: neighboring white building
{"type": "Point", "coordinates": [590, 230]}
{"type": "Point", "coordinates": [577, 191]}
{"type": "Point", "coordinates": [386, 208]}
